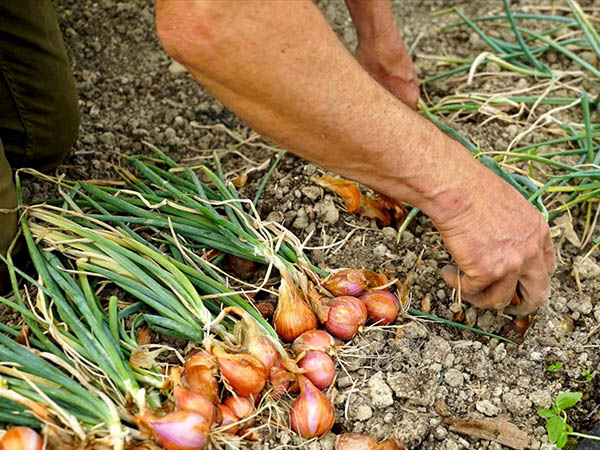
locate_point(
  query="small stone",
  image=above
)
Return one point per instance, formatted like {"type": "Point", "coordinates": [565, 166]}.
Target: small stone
{"type": "Point", "coordinates": [407, 237]}
{"type": "Point", "coordinates": [170, 135]}
{"type": "Point", "coordinates": [311, 192]}
{"type": "Point", "coordinates": [440, 433]}
{"type": "Point", "coordinates": [476, 41]}
{"type": "Point", "coordinates": [499, 352]}
{"type": "Point", "coordinates": [328, 441]}
{"type": "Point", "coordinates": [380, 250]}
{"type": "Point", "coordinates": [389, 233]}
{"type": "Point", "coordinates": [414, 330]}
{"type": "Point", "coordinates": [178, 122]}
{"type": "Point", "coordinates": [454, 378]}
{"type": "Point", "coordinates": [327, 211]}
{"type": "Point", "coordinates": [586, 268]}
{"type": "Point", "coordinates": [541, 399]}
{"type": "Point", "coordinates": [301, 220]}
{"type": "Point", "coordinates": [175, 68]}
{"type": "Point", "coordinates": [486, 407]}
{"type": "Point", "coordinates": [344, 382]}
{"type": "Point", "coordinates": [108, 139]}
{"type": "Point", "coordinates": [589, 57]}
{"type": "Point", "coordinates": [517, 404]}
{"type": "Point", "coordinates": [512, 130]}
{"type": "Point", "coordinates": [379, 392]}
{"type": "Point", "coordinates": [584, 306]}
{"type": "Point", "coordinates": [363, 412]}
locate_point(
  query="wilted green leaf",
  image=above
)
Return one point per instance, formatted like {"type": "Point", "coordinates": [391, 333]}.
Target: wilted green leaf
{"type": "Point", "coordinates": [567, 399]}
{"type": "Point", "coordinates": [556, 429]}
{"type": "Point", "coordinates": [545, 413]}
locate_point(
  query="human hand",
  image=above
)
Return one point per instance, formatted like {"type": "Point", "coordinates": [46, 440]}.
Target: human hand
{"type": "Point", "coordinates": [388, 61]}
{"type": "Point", "coordinates": [501, 243]}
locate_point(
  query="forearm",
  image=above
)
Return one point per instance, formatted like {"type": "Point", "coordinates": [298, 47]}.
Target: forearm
{"type": "Point", "coordinates": [279, 67]}
{"type": "Point", "coordinates": [373, 19]}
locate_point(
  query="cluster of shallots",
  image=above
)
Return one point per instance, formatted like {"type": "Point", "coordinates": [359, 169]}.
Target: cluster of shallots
{"type": "Point", "coordinates": [352, 301]}
{"type": "Point", "coordinates": [357, 297]}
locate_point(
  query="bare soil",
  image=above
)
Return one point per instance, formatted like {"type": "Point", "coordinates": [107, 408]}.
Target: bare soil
{"type": "Point", "coordinates": [393, 382]}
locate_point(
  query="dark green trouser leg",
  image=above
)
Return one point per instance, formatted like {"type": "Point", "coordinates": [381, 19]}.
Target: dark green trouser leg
{"type": "Point", "coordinates": [39, 116]}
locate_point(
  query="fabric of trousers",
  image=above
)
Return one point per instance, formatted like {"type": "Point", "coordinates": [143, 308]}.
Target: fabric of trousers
{"type": "Point", "coordinates": [39, 114]}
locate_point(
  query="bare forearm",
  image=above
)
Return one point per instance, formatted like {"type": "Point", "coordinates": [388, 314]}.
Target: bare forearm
{"type": "Point", "coordinates": [279, 66]}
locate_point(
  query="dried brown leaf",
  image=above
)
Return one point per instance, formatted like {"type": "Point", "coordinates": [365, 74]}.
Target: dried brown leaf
{"type": "Point", "coordinates": [498, 430]}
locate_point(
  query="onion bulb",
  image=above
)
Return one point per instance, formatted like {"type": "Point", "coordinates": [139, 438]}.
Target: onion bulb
{"type": "Point", "coordinates": [280, 380]}
{"type": "Point", "coordinates": [254, 340]}
{"type": "Point", "coordinates": [199, 375]}
{"type": "Point", "coordinates": [241, 407]}
{"type": "Point", "coordinates": [21, 438]}
{"type": "Point", "coordinates": [292, 316]}
{"type": "Point", "coordinates": [313, 340]}
{"type": "Point", "coordinates": [346, 282]}
{"type": "Point", "coordinates": [345, 317]}
{"type": "Point", "coordinates": [186, 399]}
{"type": "Point", "coordinates": [312, 413]}
{"type": "Point", "coordinates": [181, 430]}
{"type": "Point", "coordinates": [319, 368]}
{"type": "Point", "coordinates": [228, 419]}
{"type": "Point", "coordinates": [382, 307]}
{"type": "Point", "coordinates": [243, 372]}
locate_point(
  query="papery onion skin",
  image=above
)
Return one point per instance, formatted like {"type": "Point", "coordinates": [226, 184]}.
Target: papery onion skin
{"type": "Point", "coordinates": [312, 413]}
{"type": "Point", "coordinates": [292, 316]}
{"type": "Point", "coordinates": [319, 368]}
{"type": "Point", "coordinates": [313, 340]}
{"type": "Point", "coordinates": [280, 380]}
{"type": "Point", "coordinates": [181, 430]}
{"type": "Point", "coordinates": [228, 418]}
{"type": "Point", "coordinates": [243, 372]}
{"type": "Point", "coordinates": [382, 307]}
{"type": "Point", "coordinates": [346, 282]}
{"type": "Point", "coordinates": [346, 315]}
{"type": "Point", "coordinates": [188, 400]}
{"type": "Point", "coordinates": [21, 438]}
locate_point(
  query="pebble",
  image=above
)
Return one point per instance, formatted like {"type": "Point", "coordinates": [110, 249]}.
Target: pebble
{"type": "Point", "coordinates": [379, 392]}
{"type": "Point", "coordinates": [327, 211]}
{"type": "Point", "coordinates": [486, 407]}
{"type": "Point", "coordinates": [108, 139]}
{"type": "Point", "coordinates": [311, 192]}
{"type": "Point", "coordinates": [517, 404]}
{"type": "Point", "coordinates": [499, 352]}
{"type": "Point", "coordinates": [440, 433]}
{"type": "Point", "coordinates": [587, 268]}
{"type": "Point", "coordinates": [363, 412]}
{"type": "Point", "coordinates": [389, 233]}
{"type": "Point", "coordinates": [584, 306]}
{"type": "Point", "coordinates": [171, 135]}
{"type": "Point", "coordinates": [454, 378]}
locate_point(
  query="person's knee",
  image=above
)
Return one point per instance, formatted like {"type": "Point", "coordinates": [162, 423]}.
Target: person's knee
{"type": "Point", "coordinates": [52, 138]}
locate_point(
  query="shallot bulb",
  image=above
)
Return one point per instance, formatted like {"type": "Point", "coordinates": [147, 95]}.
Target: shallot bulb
{"type": "Point", "coordinates": [280, 380]}
{"type": "Point", "coordinates": [319, 368]}
{"type": "Point", "coordinates": [382, 307]}
{"type": "Point", "coordinates": [186, 399]}
{"type": "Point", "coordinates": [312, 413]}
{"type": "Point", "coordinates": [243, 372]}
{"type": "Point", "coordinates": [254, 340]}
{"type": "Point", "coordinates": [292, 316]}
{"type": "Point", "coordinates": [313, 340]}
{"type": "Point", "coordinates": [242, 407]}
{"type": "Point", "coordinates": [21, 438]}
{"type": "Point", "coordinates": [346, 282]}
{"type": "Point", "coordinates": [228, 419]}
{"type": "Point", "coordinates": [181, 430]}
{"type": "Point", "coordinates": [345, 317]}
{"type": "Point", "coordinates": [199, 375]}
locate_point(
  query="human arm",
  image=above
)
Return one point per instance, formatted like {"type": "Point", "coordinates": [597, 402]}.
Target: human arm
{"type": "Point", "coordinates": [279, 67]}
{"type": "Point", "coordinates": [381, 51]}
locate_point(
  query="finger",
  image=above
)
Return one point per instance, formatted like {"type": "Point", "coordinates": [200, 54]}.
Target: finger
{"type": "Point", "coordinates": [549, 256]}
{"type": "Point", "coordinates": [479, 292]}
{"type": "Point", "coordinates": [535, 290]}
